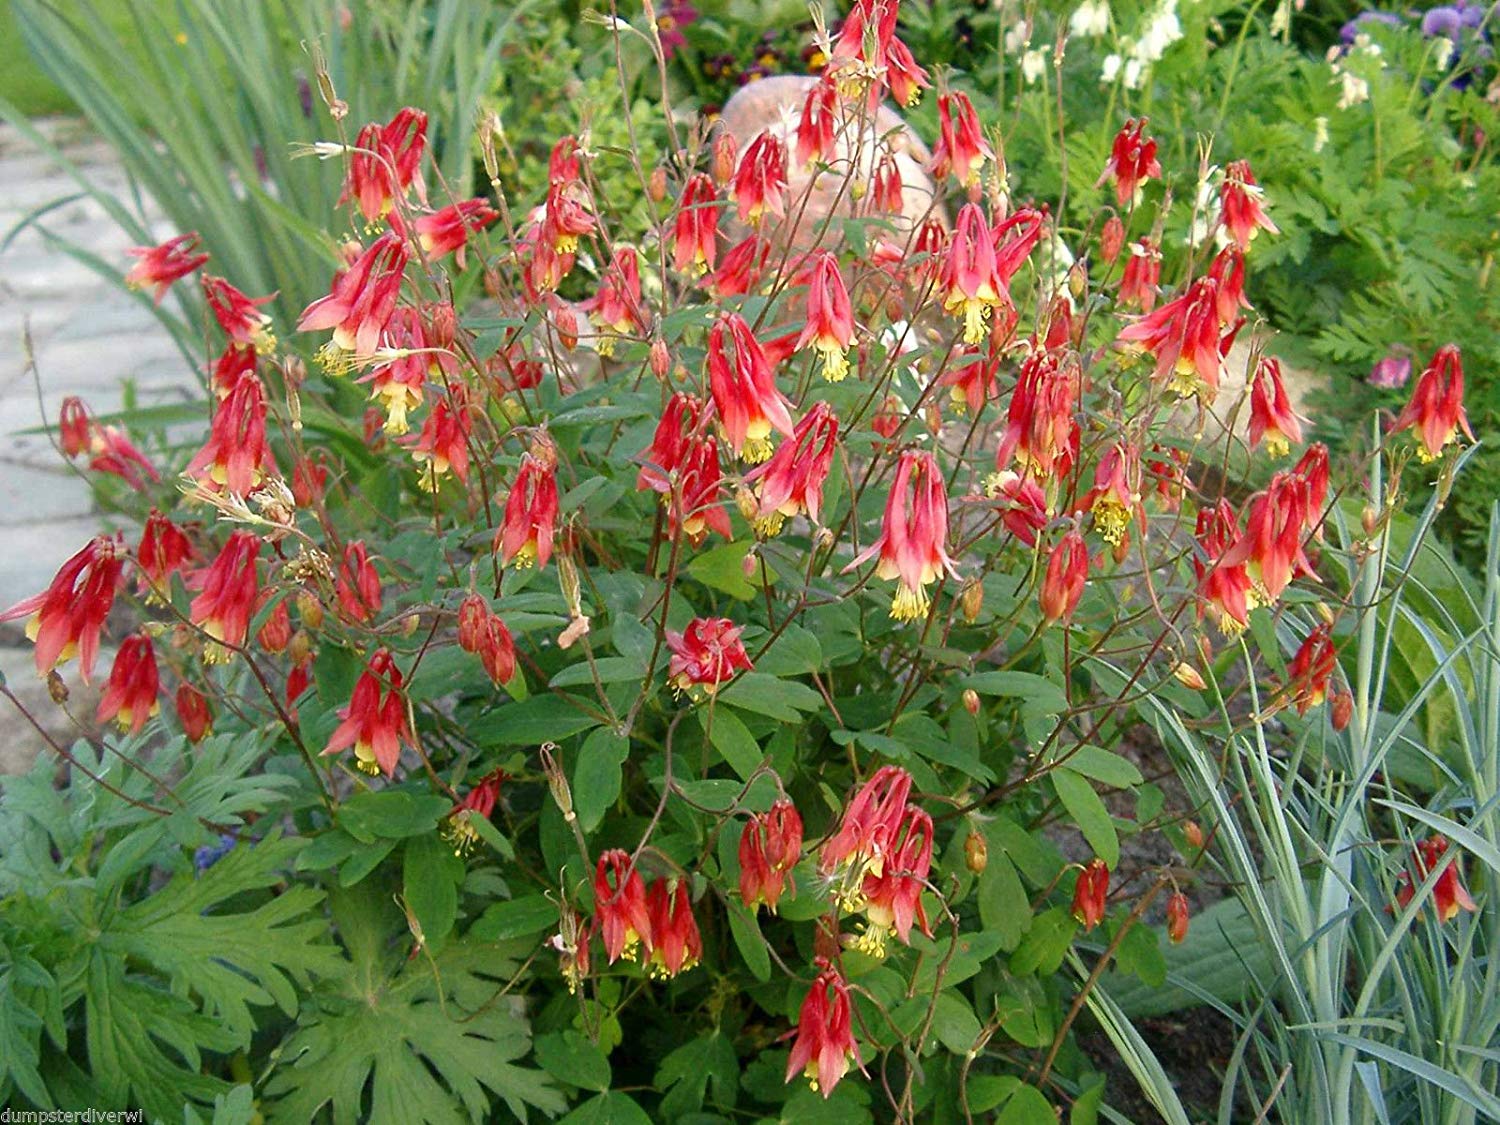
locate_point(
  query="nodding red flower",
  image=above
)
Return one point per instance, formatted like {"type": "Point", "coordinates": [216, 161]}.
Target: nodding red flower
{"type": "Point", "coordinates": [473, 615]}
{"type": "Point", "coordinates": [276, 632]}
{"type": "Point", "coordinates": [563, 166]}
{"type": "Point", "coordinates": [696, 507]}
{"type": "Point", "coordinates": [1228, 271]}
{"type": "Point", "coordinates": [903, 74]}
{"type": "Point", "coordinates": [973, 380]}
{"type": "Point", "coordinates": [1224, 586]}
{"type": "Point", "coordinates": [566, 217]}
{"type": "Point", "coordinates": [866, 835]}
{"type": "Point", "coordinates": [830, 318]}
{"type": "Point", "coordinates": [359, 304]}
{"type": "Point", "coordinates": [386, 161]}
{"type": "Point", "coordinates": [620, 909]}
{"type": "Point", "coordinates": [162, 265]}
{"type": "Point", "coordinates": [358, 585]}
{"type": "Point", "coordinates": [236, 456]}
{"type": "Point", "coordinates": [675, 943]}
{"type": "Point", "coordinates": [1041, 429]}
{"type": "Point", "coordinates": [65, 619]}
{"type": "Point", "coordinates": [1312, 471]}
{"type": "Point", "coordinates": [1115, 498]}
{"type": "Point", "coordinates": [1240, 209]}
{"type": "Point", "coordinates": [893, 895]}
{"type": "Point", "coordinates": [1312, 668]}
{"type": "Point", "coordinates": [525, 536]}
{"type": "Point", "coordinates": [1142, 273]}
{"type": "Point", "coordinates": [670, 445]}
{"type": "Point", "coordinates": [770, 846]}
{"type": "Point", "coordinates": [1067, 573]}
{"type": "Point", "coordinates": [815, 128]}
{"type": "Point", "coordinates": [741, 269]}
{"type": "Point", "coordinates": [443, 443]}
{"type": "Point", "coordinates": [397, 383]}
{"type": "Point", "coordinates": [229, 588]}
{"type": "Point", "coordinates": [1448, 894]}
{"type": "Point", "coordinates": [695, 233]}
{"type": "Point", "coordinates": [477, 803]}
{"type": "Point", "coordinates": [546, 266]}
{"type": "Point", "coordinates": [1132, 160]}
{"type": "Point", "coordinates": [375, 721]}
{"type": "Point", "coordinates": [760, 181]}
{"type": "Point", "coordinates": [913, 534]}
{"type": "Point", "coordinates": [971, 283]}
{"type": "Point", "coordinates": [107, 447]}
{"type": "Point", "coordinates": [791, 482]}
{"type": "Point", "coordinates": [1177, 918]}
{"type": "Point", "coordinates": [857, 69]}
{"type": "Point", "coordinates": [233, 364]}
{"type": "Point", "coordinates": [238, 315]}
{"type": "Point", "coordinates": [706, 654]}
{"type": "Point", "coordinates": [1167, 472]}
{"type": "Point", "coordinates": [744, 389]}
{"type": "Point", "coordinates": [1272, 419]}
{"type": "Point", "coordinates": [1022, 504]}
{"type": "Point", "coordinates": [886, 193]}
{"type": "Point", "coordinates": [1111, 239]}
{"type": "Point", "coordinates": [193, 712]}
{"type": "Point", "coordinates": [825, 1043]}
{"type": "Point", "coordinates": [130, 695]}
{"type": "Point", "coordinates": [482, 632]}
{"type": "Point", "coordinates": [1436, 409]}
{"type": "Point", "coordinates": [1090, 894]}
{"type": "Point", "coordinates": [74, 426]}
{"type": "Point", "coordinates": [164, 550]}
{"type": "Point", "coordinates": [299, 676]}
{"type": "Point", "coordinates": [616, 308]}
{"type": "Point", "coordinates": [447, 231]}
{"type": "Point", "coordinates": [1184, 335]}
{"type": "Point", "coordinates": [961, 147]}
{"type": "Point", "coordinates": [1271, 548]}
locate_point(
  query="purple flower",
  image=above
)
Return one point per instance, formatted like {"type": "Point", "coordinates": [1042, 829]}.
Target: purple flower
{"type": "Point", "coordinates": [210, 854]}
{"type": "Point", "coordinates": [1358, 24]}
{"type": "Point", "coordinates": [669, 24]}
{"type": "Point", "coordinates": [1445, 21]}
{"type": "Point", "coordinates": [1391, 372]}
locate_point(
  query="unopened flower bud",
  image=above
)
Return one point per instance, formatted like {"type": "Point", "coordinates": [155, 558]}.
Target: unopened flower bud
{"type": "Point", "coordinates": [1177, 917]}
{"type": "Point", "coordinates": [1341, 710]}
{"type": "Point", "coordinates": [749, 565]}
{"type": "Point", "coordinates": [971, 701]}
{"type": "Point", "coordinates": [824, 538]}
{"type": "Point", "coordinates": [1078, 281]}
{"type": "Point", "coordinates": [557, 781]}
{"type": "Point", "coordinates": [56, 688]}
{"type": "Point", "coordinates": [656, 187]}
{"type": "Point", "coordinates": [726, 156]}
{"type": "Point", "coordinates": [1121, 550]}
{"type": "Point", "coordinates": [1112, 239]}
{"type": "Point", "coordinates": [310, 610]}
{"type": "Point", "coordinates": [1193, 834]}
{"type": "Point", "coordinates": [300, 647]}
{"type": "Point", "coordinates": [1369, 520]}
{"type": "Point", "coordinates": [410, 622]}
{"type": "Point", "coordinates": [746, 502]}
{"type": "Point", "coordinates": [976, 852]}
{"type": "Point", "coordinates": [971, 600]}
{"type": "Point", "coordinates": [1188, 676]}
{"type": "Point", "coordinates": [661, 359]}
{"type": "Point", "coordinates": [1324, 612]}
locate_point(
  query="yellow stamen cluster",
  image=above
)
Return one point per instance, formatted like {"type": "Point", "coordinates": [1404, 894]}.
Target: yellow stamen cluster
{"type": "Point", "coordinates": [1111, 518]}
{"type": "Point", "coordinates": [910, 604]}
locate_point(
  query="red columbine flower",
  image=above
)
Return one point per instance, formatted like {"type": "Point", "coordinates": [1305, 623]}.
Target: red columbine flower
{"type": "Point", "coordinates": [1111, 239]}
{"type": "Point", "coordinates": [1041, 429]}
{"type": "Point", "coordinates": [973, 380]}
{"type": "Point", "coordinates": [1224, 586]}
{"type": "Point", "coordinates": [825, 1041]}
{"type": "Point", "coordinates": [961, 147]}
{"type": "Point", "coordinates": [443, 443]}
{"type": "Point", "coordinates": [1116, 496]}
{"type": "Point", "coordinates": [163, 551]}
{"type": "Point", "coordinates": [770, 846]}
{"type": "Point", "coordinates": [616, 308]}
{"type": "Point", "coordinates": [1177, 918]}
{"type": "Point", "coordinates": [1090, 893]}
{"type": "Point", "coordinates": [620, 909]}
{"type": "Point", "coordinates": [696, 507]}
{"type": "Point", "coordinates": [478, 802]}
{"type": "Point", "coordinates": [130, 696]}
{"type": "Point", "coordinates": [386, 161]}
{"type": "Point", "coordinates": [706, 654]}
{"type": "Point", "coordinates": [276, 632]}
{"type": "Point", "coordinates": [760, 182]}
{"type": "Point", "coordinates": [741, 269]}
{"type": "Point", "coordinates": [792, 480]}
{"type": "Point", "coordinates": [1436, 409]}
{"type": "Point", "coordinates": [893, 895]}
{"type": "Point", "coordinates": [1067, 573]}
{"type": "Point", "coordinates": [1239, 205]}
{"type": "Point", "coordinates": [695, 242]}
{"type": "Point", "coordinates": [236, 456]}
{"type": "Point", "coordinates": [815, 128]}
{"type": "Point", "coordinates": [238, 315]}
{"type": "Point", "coordinates": [566, 217]}
{"type": "Point", "coordinates": [360, 303]}
{"type": "Point", "coordinates": [675, 943]}
{"type": "Point", "coordinates": [233, 364]}
{"type": "Point", "coordinates": [886, 192]}
{"type": "Point", "coordinates": [970, 283]}
{"type": "Point", "coordinates": [108, 448]}
{"type": "Point", "coordinates": [1167, 473]}
{"type": "Point", "coordinates": [1142, 273]}
{"type": "Point", "coordinates": [1271, 415]}
{"type": "Point", "coordinates": [913, 534]}
{"type": "Point", "coordinates": [1228, 271]}
{"type": "Point", "coordinates": [1184, 335]}
{"type": "Point", "coordinates": [164, 264]}
{"type": "Point", "coordinates": [1448, 893]}
{"type": "Point", "coordinates": [397, 384]}
{"type": "Point", "coordinates": [866, 834]}
{"type": "Point", "coordinates": [229, 589]}
{"type": "Point", "coordinates": [1271, 547]}
{"type": "Point", "coordinates": [1132, 159]}
{"type": "Point", "coordinates": [447, 231]}
{"type": "Point", "coordinates": [1312, 668]}
{"type": "Point", "coordinates": [193, 712]}
{"type": "Point", "coordinates": [903, 74]}
{"type": "Point", "coordinates": [66, 618]}
{"type": "Point", "coordinates": [1021, 502]}
{"type": "Point", "coordinates": [358, 585]}
{"type": "Point", "coordinates": [375, 721]}
{"type": "Point", "coordinates": [669, 446]}
{"type": "Point", "coordinates": [744, 390]}
{"type": "Point", "coordinates": [481, 631]}
{"type": "Point", "coordinates": [525, 536]}
{"type": "Point", "coordinates": [1312, 471]}
{"type": "Point", "coordinates": [830, 319]}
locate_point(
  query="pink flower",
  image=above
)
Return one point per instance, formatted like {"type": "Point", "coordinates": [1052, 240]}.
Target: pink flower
{"type": "Point", "coordinates": [1132, 160]}
{"type": "Point", "coordinates": [830, 318]}
{"type": "Point", "coordinates": [914, 534]}
{"type": "Point", "coordinates": [360, 303]}
{"type": "Point", "coordinates": [706, 654]}
{"type": "Point", "coordinates": [1240, 205]}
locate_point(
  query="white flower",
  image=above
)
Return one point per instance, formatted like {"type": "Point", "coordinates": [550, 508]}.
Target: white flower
{"type": "Point", "coordinates": [1034, 64]}
{"type": "Point", "coordinates": [1161, 32]}
{"type": "Point", "coordinates": [1353, 90]}
{"type": "Point", "coordinates": [1111, 68]}
{"type": "Point", "coordinates": [1090, 20]}
{"type": "Point", "coordinates": [1133, 71]}
{"type": "Point", "coordinates": [1320, 133]}
{"type": "Point", "coordinates": [1018, 37]}
{"type": "Point", "coordinates": [1443, 49]}
{"type": "Point", "coordinates": [1281, 19]}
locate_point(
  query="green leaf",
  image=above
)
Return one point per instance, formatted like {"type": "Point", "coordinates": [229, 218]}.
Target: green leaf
{"type": "Point", "coordinates": [1045, 944]}
{"type": "Point", "coordinates": [1012, 1101]}
{"type": "Point", "coordinates": [766, 695]}
{"type": "Point", "coordinates": [1004, 906]}
{"type": "Point", "coordinates": [1089, 813]}
{"type": "Point", "coordinates": [573, 1060]}
{"type": "Point", "coordinates": [732, 739]}
{"type": "Point", "coordinates": [685, 1075]}
{"type": "Point", "coordinates": [613, 1108]}
{"type": "Point", "coordinates": [596, 775]}
{"type": "Point", "coordinates": [543, 718]}
{"type": "Point", "coordinates": [721, 568]}
{"type": "Point", "coordinates": [366, 858]}
{"type": "Point", "coordinates": [391, 814]}
{"type": "Point", "coordinates": [520, 917]}
{"type": "Point", "coordinates": [609, 669]}
{"type": "Point", "coordinates": [430, 874]}
{"type": "Point", "coordinates": [1103, 766]}
{"type": "Point", "coordinates": [1038, 692]}
{"type": "Point", "coordinates": [1139, 954]}
{"type": "Point", "coordinates": [745, 928]}
{"type": "Point", "coordinates": [954, 1022]}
